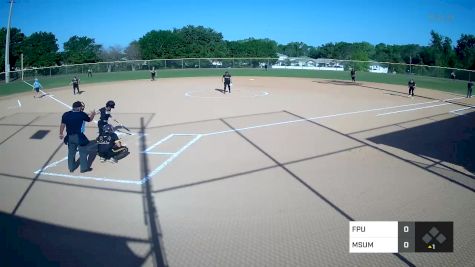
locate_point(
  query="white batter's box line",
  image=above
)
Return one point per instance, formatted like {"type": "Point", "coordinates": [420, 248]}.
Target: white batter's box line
{"type": "Point", "coordinates": [160, 153]}
{"type": "Point", "coordinates": [100, 179]}
{"type": "Point", "coordinates": [156, 171]}
{"type": "Point", "coordinates": [71, 176]}
{"type": "Point", "coordinates": [171, 158]}
{"type": "Point", "coordinates": [51, 165]}
{"type": "Point", "coordinates": [148, 150]}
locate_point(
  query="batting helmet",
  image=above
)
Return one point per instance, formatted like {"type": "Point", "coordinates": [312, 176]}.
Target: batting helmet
{"type": "Point", "coordinates": [110, 104]}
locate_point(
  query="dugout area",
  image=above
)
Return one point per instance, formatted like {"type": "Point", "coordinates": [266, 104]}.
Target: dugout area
{"type": "Point", "coordinates": [269, 175]}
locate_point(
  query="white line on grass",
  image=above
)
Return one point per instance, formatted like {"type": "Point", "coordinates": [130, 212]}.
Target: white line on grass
{"type": "Point", "coordinates": [412, 109]}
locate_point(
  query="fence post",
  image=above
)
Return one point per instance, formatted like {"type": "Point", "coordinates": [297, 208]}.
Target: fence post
{"type": "Point", "coordinates": [233, 63]}
{"type": "Point", "coordinates": [199, 63]}
{"type": "Point", "coordinates": [182, 63]}
{"type": "Point", "coordinates": [49, 72]}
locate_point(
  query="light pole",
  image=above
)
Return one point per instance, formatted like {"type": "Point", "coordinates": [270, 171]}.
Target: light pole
{"type": "Point", "coordinates": [7, 46]}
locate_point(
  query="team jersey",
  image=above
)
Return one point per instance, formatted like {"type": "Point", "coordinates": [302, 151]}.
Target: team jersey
{"type": "Point", "coordinates": [74, 121]}
{"type": "Point", "coordinates": [411, 83]}
{"type": "Point", "coordinates": [227, 78]}
{"type": "Point", "coordinates": [37, 84]}
{"type": "Point", "coordinates": [105, 115]}
{"type": "Point", "coordinates": [106, 142]}
{"type": "Point", "coordinates": [75, 81]}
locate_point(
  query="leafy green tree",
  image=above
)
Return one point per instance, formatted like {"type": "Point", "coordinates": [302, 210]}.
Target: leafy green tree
{"type": "Point", "coordinates": [252, 48]}
{"type": "Point", "coordinates": [16, 42]}
{"type": "Point", "coordinates": [79, 50]}
{"type": "Point", "coordinates": [40, 49]}
{"type": "Point", "coordinates": [294, 49]}
{"type": "Point", "coordinates": [160, 44]}
{"type": "Point", "coordinates": [198, 41]}
{"type": "Point", "coordinates": [465, 51]}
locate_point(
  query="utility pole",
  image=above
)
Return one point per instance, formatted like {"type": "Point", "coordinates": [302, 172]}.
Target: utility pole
{"type": "Point", "coordinates": [7, 46]}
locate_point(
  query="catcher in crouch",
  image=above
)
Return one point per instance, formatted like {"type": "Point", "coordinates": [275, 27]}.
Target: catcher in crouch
{"type": "Point", "coordinates": [109, 146]}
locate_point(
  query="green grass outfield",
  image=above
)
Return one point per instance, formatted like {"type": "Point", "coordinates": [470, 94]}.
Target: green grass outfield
{"type": "Point", "coordinates": [48, 82]}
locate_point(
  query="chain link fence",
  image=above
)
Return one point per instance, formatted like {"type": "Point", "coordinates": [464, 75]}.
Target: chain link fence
{"type": "Point", "coordinates": [210, 63]}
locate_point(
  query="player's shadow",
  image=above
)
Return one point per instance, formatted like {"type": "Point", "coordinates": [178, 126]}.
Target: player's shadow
{"type": "Point", "coordinates": [27, 242]}
{"type": "Point", "coordinates": [43, 95]}
{"type": "Point", "coordinates": [219, 90]}
{"type": "Point", "coordinates": [451, 140]}
{"type": "Point", "coordinates": [80, 92]}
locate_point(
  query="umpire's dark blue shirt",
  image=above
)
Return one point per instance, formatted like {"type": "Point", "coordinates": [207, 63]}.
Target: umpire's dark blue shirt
{"type": "Point", "coordinates": [73, 121]}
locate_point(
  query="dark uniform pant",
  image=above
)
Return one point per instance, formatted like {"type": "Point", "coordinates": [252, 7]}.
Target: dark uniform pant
{"type": "Point", "coordinates": [75, 87]}
{"type": "Point", "coordinates": [411, 90]}
{"type": "Point", "coordinates": [73, 147]}
{"type": "Point", "coordinates": [100, 125]}
{"type": "Point", "coordinates": [229, 86]}
{"type": "Point", "coordinates": [469, 92]}
{"type": "Point", "coordinates": [117, 153]}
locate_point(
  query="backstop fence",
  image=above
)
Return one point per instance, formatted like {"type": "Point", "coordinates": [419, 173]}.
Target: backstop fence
{"type": "Point", "coordinates": [271, 63]}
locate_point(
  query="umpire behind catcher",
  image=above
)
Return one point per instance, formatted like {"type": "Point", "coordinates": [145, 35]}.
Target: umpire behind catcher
{"type": "Point", "coordinates": [75, 139]}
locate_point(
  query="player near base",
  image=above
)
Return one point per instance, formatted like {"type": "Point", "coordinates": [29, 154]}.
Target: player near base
{"type": "Point", "coordinates": [227, 82]}
{"type": "Point", "coordinates": [469, 89]}
{"type": "Point", "coordinates": [105, 115]}
{"type": "Point", "coordinates": [153, 73]}
{"type": "Point", "coordinates": [36, 87]}
{"type": "Point", "coordinates": [412, 85]}
{"type": "Point", "coordinates": [353, 74]}
{"type": "Point", "coordinates": [75, 83]}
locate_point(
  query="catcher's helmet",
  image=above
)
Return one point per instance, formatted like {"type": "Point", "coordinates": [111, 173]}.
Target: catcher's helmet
{"type": "Point", "coordinates": [110, 104]}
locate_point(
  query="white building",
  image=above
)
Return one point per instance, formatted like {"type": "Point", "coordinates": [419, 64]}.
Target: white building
{"type": "Point", "coordinates": [377, 68]}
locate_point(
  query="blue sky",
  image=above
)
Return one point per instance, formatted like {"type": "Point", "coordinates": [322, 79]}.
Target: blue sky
{"type": "Point", "coordinates": [314, 22]}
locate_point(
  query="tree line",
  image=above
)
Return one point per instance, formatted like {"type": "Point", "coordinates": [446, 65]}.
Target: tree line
{"type": "Point", "coordinates": [40, 49]}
